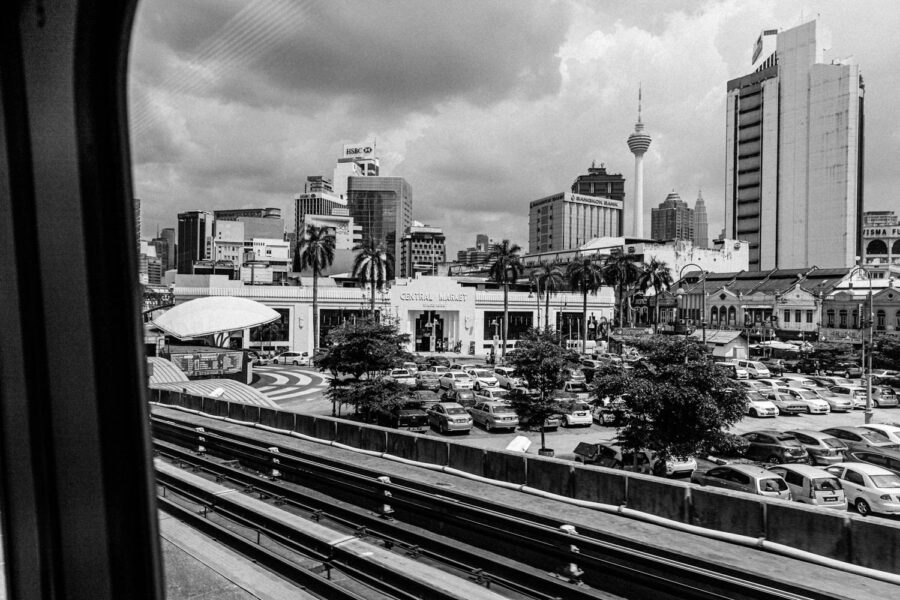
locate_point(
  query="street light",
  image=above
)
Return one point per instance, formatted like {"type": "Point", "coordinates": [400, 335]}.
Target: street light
{"type": "Point", "coordinates": [870, 322]}
{"type": "Point", "coordinates": [680, 294]}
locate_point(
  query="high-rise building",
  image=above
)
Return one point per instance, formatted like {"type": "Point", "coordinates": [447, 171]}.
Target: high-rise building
{"type": "Point", "coordinates": [168, 236]}
{"type": "Point", "coordinates": [638, 144]}
{"type": "Point", "coordinates": [382, 206]}
{"type": "Point", "coordinates": [597, 182]}
{"type": "Point", "coordinates": [794, 154]}
{"type": "Point", "coordinates": [672, 220]}
{"type": "Point", "coordinates": [422, 249]}
{"type": "Point", "coordinates": [319, 202]}
{"type": "Point", "coordinates": [701, 223]}
{"type": "Point", "coordinates": [357, 160]}
{"type": "Point", "coordinates": [258, 222]}
{"type": "Point", "coordinates": [565, 221]}
{"type": "Point", "coordinates": [195, 238]}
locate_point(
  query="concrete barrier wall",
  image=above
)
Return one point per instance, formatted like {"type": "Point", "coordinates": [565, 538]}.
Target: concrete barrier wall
{"type": "Point", "coordinates": [869, 542]}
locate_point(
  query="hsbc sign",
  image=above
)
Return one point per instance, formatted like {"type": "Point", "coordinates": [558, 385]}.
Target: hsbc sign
{"type": "Point", "coordinates": [364, 150]}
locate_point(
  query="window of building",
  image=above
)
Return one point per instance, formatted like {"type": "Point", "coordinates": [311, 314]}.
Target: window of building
{"type": "Point", "coordinates": [797, 316]}
{"type": "Point", "coordinates": [879, 319]}
{"type": "Point", "coordinates": [787, 316]}
{"type": "Point", "coordinates": [830, 318]}
{"type": "Point", "coordinates": [809, 316]}
{"type": "Point", "coordinates": [843, 319]}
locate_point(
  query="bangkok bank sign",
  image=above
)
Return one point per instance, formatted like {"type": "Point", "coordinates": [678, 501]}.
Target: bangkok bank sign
{"type": "Point", "coordinates": [364, 150]}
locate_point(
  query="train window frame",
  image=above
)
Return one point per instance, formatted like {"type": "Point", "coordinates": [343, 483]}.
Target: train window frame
{"type": "Point", "coordinates": [78, 507]}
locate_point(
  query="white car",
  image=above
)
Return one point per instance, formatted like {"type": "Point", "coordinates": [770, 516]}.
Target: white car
{"type": "Point", "coordinates": [799, 381]}
{"type": "Point", "coordinates": [814, 404]}
{"type": "Point", "coordinates": [298, 359]}
{"type": "Point", "coordinates": [771, 383]}
{"type": "Point", "coordinates": [507, 378]}
{"type": "Point", "coordinates": [837, 402]}
{"type": "Point", "coordinates": [755, 369]}
{"type": "Point", "coordinates": [892, 432]}
{"type": "Point", "coordinates": [869, 488]}
{"type": "Point", "coordinates": [456, 380]}
{"type": "Point", "coordinates": [482, 378]}
{"type": "Point", "coordinates": [491, 395]}
{"type": "Point", "coordinates": [401, 376]}
{"type": "Point", "coordinates": [576, 413]}
{"type": "Point", "coordinates": [439, 369]}
{"type": "Point", "coordinates": [854, 393]}
{"type": "Point", "coordinates": [760, 406]}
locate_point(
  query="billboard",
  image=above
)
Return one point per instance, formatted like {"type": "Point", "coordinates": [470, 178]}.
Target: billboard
{"type": "Point", "coordinates": [200, 364]}
{"type": "Point", "coordinates": [362, 150]}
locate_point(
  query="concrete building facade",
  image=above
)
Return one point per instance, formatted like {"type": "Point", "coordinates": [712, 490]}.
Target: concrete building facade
{"type": "Point", "coordinates": [422, 249]}
{"type": "Point", "coordinates": [673, 219]}
{"type": "Point", "coordinates": [794, 154]}
{"type": "Point", "coordinates": [701, 223]}
{"type": "Point", "coordinates": [195, 235]}
{"type": "Point", "coordinates": [881, 244]}
{"type": "Point", "coordinates": [565, 221]}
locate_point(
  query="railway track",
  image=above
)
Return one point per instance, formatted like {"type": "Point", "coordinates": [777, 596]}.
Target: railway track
{"type": "Point", "coordinates": [470, 535]}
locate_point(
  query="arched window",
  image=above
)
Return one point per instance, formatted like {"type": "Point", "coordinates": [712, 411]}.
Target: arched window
{"type": "Point", "coordinates": [877, 247]}
{"type": "Point", "coordinates": [855, 318]}
{"type": "Point", "coordinates": [843, 319]}
{"type": "Point", "coordinates": [895, 249]}
{"type": "Point", "coordinates": [830, 315]}
{"type": "Point", "coordinates": [732, 315]}
{"type": "Point", "coordinates": [897, 317]}
{"type": "Point", "coordinates": [714, 315]}
{"type": "Point", "coordinates": [879, 320]}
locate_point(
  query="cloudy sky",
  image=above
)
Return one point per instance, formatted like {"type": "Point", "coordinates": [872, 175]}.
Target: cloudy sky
{"type": "Point", "coordinates": [481, 105]}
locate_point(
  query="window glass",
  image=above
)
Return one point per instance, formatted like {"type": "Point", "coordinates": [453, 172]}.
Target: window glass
{"type": "Point", "coordinates": [854, 477]}
{"type": "Point", "coordinates": [826, 484]}
{"type": "Point", "coordinates": [886, 481]}
{"type": "Point", "coordinates": [741, 478]}
{"type": "Point", "coordinates": [793, 478]}
{"type": "Point", "coordinates": [772, 484]}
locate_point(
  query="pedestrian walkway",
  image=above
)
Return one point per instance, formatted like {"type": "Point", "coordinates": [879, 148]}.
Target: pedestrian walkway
{"type": "Point", "coordinates": [283, 382]}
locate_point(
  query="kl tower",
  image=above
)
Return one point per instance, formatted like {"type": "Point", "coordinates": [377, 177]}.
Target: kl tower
{"type": "Point", "coordinates": [638, 143]}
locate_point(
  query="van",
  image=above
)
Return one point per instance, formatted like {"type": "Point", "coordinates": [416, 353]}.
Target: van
{"type": "Point", "coordinates": [812, 485]}
{"type": "Point", "coordinates": [733, 371]}
{"type": "Point", "coordinates": [754, 368]}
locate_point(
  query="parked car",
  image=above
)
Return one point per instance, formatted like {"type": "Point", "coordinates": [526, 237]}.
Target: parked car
{"type": "Point", "coordinates": [892, 381]}
{"type": "Point", "coordinates": [575, 412]}
{"type": "Point", "coordinates": [424, 399]}
{"type": "Point", "coordinates": [883, 396]}
{"type": "Point", "coordinates": [457, 380]}
{"type": "Point", "coordinates": [573, 374]}
{"type": "Point", "coordinates": [449, 416]}
{"type": "Point", "coordinates": [438, 369]}
{"type": "Point", "coordinates": [836, 402]}
{"type": "Point", "coordinates": [814, 404]}
{"type": "Point", "coordinates": [401, 376]}
{"type": "Point", "coordinates": [507, 378]}
{"type": "Point", "coordinates": [869, 488]}
{"type": "Point", "coordinates": [257, 359]}
{"type": "Point", "coordinates": [611, 414]}
{"type": "Point", "coordinates": [494, 415]}
{"type": "Point", "coordinates": [891, 432]}
{"type": "Point", "coordinates": [406, 416]}
{"type": "Point", "coordinates": [786, 404]}
{"type": "Point", "coordinates": [775, 366]}
{"type": "Point", "coordinates": [733, 371]}
{"type": "Point", "coordinates": [494, 394]}
{"type": "Point", "coordinates": [460, 396]}
{"type": "Point", "coordinates": [758, 405]}
{"type": "Point", "coordinates": [770, 383]}
{"type": "Point", "coordinates": [775, 447]}
{"type": "Point", "coordinates": [298, 359]}
{"type": "Point", "coordinates": [482, 378]}
{"type": "Point", "coordinates": [752, 384]}
{"type": "Point", "coordinates": [844, 369]}
{"type": "Point", "coordinates": [830, 380]}
{"type": "Point", "coordinates": [812, 485]}
{"type": "Point", "coordinates": [854, 393]}
{"type": "Point", "coordinates": [426, 380]}
{"type": "Point", "coordinates": [859, 438]}
{"type": "Point", "coordinates": [799, 381]}
{"type": "Point", "coordinates": [744, 478]}
{"type": "Point", "coordinates": [823, 448]}
{"type": "Point", "coordinates": [611, 455]}
{"type": "Point", "coordinates": [888, 458]}
{"type": "Point", "coordinates": [810, 366]}
{"type": "Point", "coordinates": [574, 389]}
{"type": "Point", "coordinates": [754, 368]}
{"type": "Point", "coordinates": [442, 361]}
{"type": "Point", "coordinates": [551, 423]}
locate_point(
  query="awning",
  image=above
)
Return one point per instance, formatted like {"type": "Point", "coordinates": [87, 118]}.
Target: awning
{"type": "Point", "coordinates": [212, 315]}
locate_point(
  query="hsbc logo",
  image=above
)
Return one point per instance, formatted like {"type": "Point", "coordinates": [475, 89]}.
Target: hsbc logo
{"type": "Point", "coordinates": [357, 150]}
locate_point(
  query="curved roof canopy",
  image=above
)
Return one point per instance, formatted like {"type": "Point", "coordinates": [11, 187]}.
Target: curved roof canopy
{"type": "Point", "coordinates": [164, 371]}
{"type": "Point", "coordinates": [214, 314]}
{"type": "Point", "coordinates": [223, 389]}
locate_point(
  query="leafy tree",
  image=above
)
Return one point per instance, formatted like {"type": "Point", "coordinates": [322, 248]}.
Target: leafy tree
{"type": "Point", "coordinates": [622, 272]}
{"type": "Point", "coordinates": [586, 276]}
{"type": "Point", "coordinates": [677, 403]}
{"type": "Point", "coordinates": [367, 397]}
{"type": "Point", "coordinates": [549, 278]}
{"type": "Point", "coordinates": [316, 251]}
{"type": "Point", "coordinates": [373, 265]}
{"type": "Point", "coordinates": [364, 347]}
{"type": "Point", "coordinates": [886, 352]}
{"type": "Point", "coordinates": [505, 269]}
{"type": "Point", "coordinates": [656, 275]}
{"type": "Point", "coordinates": [540, 361]}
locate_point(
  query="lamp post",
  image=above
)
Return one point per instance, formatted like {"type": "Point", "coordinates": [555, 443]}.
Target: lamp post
{"type": "Point", "coordinates": [864, 363]}
{"type": "Point", "coordinates": [680, 294]}
{"type": "Point", "coordinates": [495, 324]}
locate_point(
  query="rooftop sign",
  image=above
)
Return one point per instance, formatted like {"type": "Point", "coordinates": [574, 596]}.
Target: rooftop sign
{"type": "Point", "coordinates": [362, 150]}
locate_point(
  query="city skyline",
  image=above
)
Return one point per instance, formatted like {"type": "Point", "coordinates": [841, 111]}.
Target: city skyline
{"type": "Point", "coordinates": [222, 117]}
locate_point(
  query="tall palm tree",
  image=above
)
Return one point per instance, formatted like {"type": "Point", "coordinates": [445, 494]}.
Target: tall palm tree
{"type": "Point", "coordinates": [505, 269]}
{"type": "Point", "coordinates": [315, 251]}
{"type": "Point", "coordinates": [656, 275]}
{"type": "Point", "coordinates": [621, 271]}
{"type": "Point", "coordinates": [586, 276]}
{"type": "Point", "coordinates": [374, 265]}
{"type": "Point", "coordinates": [549, 278]}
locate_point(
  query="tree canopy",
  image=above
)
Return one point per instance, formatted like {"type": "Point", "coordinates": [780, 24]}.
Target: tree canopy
{"type": "Point", "coordinates": [364, 347]}
{"type": "Point", "coordinates": [540, 361]}
{"type": "Point", "coordinates": [677, 402]}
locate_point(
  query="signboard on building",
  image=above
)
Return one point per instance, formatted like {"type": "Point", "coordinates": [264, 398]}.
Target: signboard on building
{"type": "Point", "coordinates": [204, 364]}
{"type": "Point", "coordinates": [834, 334]}
{"type": "Point", "coordinates": [363, 150]}
{"type": "Point", "coordinates": [433, 293]}
{"type": "Point", "coordinates": [881, 232]}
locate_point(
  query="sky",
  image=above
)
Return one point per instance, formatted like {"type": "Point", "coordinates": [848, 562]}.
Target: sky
{"type": "Point", "coordinates": [481, 105]}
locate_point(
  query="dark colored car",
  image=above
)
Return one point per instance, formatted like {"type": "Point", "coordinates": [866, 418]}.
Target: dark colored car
{"type": "Point", "coordinates": [408, 416]}
{"type": "Point", "coordinates": [858, 438]}
{"type": "Point", "coordinates": [426, 380]}
{"type": "Point", "coordinates": [887, 458]}
{"type": "Point", "coordinates": [775, 447]}
{"type": "Point", "coordinates": [844, 369]}
{"type": "Point", "coordinates": [775, 366]}
{"type": "Point", "coordinates": [823, 448]}
{"type": "Point", "coordinates": [464, 397]}
{"type": "Point", "coordinates": [809, 366]}
{"type": "Point", "coordinates": [438, 360]}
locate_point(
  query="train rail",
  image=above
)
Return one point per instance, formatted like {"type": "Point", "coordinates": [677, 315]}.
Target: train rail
{"type": "Point", "coordinates": [606, 564]}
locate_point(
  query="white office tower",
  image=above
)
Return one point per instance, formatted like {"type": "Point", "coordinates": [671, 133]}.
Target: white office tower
{"type": "Point", "coordinates": [638, 144]}
{"type": "Point", "coordinates": [794, 154]}
{"type": "Point", "coordinates": [357, 160]}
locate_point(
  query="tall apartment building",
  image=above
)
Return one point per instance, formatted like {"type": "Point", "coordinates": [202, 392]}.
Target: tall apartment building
{"type": "Point", "coordinates": [382, 206]}
{"type": "Point", "coordinates": [673, 219]}
{"type": "Point", "coordinates": [422, 248]}
{"type": "Point", "coordinates": [565, 221]}
{"type": "Point", "coordinates": [794, 154]}
{"type": "Point", "coordinates": [195, 236]}
{"type": "Point", "coordinates": [258, 222]}
{"type": "Point", "coordinates": [701, 223]}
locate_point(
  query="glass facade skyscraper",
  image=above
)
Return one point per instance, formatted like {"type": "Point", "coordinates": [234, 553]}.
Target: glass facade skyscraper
{"type": "Point", "coordinates": [382, 206]}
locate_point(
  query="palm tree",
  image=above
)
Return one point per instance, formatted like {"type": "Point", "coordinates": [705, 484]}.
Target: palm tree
{"type": "Point", "coordinates": [621, 271]}
{"type": "Point", "coordinates": [586, 276]}
{"type": "Point", "coordinates": [315, 250]}
{"type": "Point", "coordinates": [549, 278]}
{"type": "Point", "coordinates": [656, 275]}
{"type": "Point", "coordinates": [373, 265]}
{"type": "Point", "coordinates": [505, 269]}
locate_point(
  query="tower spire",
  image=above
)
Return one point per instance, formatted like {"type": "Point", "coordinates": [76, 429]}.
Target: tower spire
{"type": "Point", "coordinates": [640, 86]}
